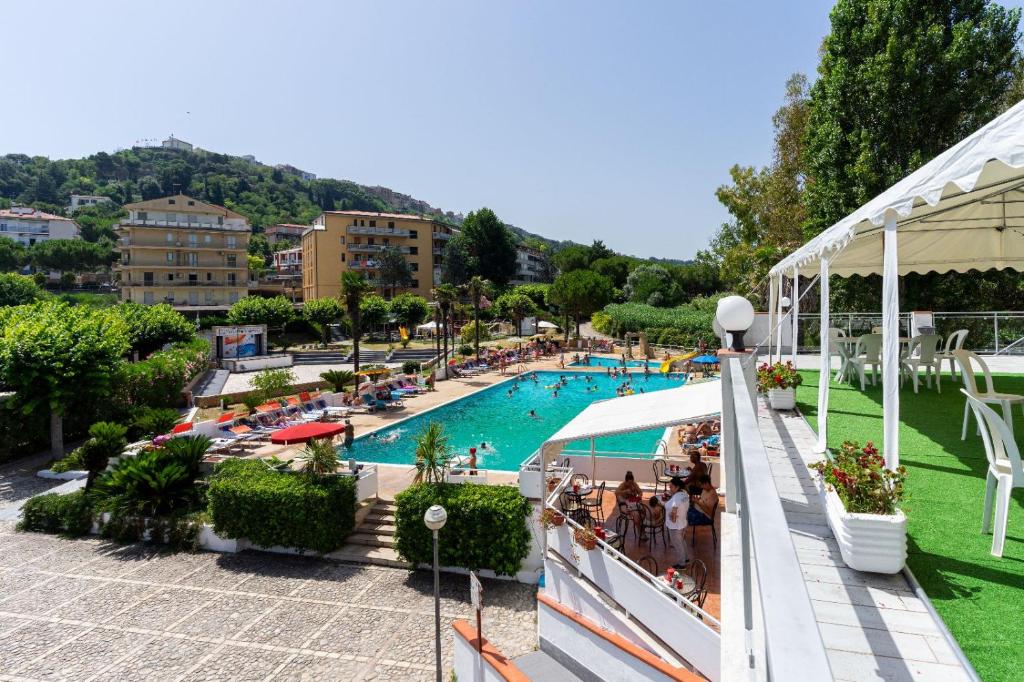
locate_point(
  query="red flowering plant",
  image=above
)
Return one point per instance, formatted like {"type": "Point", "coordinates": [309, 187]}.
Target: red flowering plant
{"type": "Point", "coordinates": [779, 375]}
{"type": "Point", "coordinates": [861, 480]}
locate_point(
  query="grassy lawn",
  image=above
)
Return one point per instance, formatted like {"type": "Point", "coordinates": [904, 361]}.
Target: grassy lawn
{"type": "Point", "coordinates": [980, 597]}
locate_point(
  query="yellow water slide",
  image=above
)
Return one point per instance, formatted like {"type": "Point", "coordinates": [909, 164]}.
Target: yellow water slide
{"type": "Point", "coordinates": [666, 366]}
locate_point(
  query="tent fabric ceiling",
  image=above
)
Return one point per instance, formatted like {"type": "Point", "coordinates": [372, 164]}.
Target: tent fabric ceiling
{"type": "Point", "coordinates": [963, 210]}
{"type": "Point", "coordinates": [640, 412]}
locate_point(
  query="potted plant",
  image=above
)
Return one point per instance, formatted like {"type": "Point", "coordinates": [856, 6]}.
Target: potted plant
{"type": "Point", "coordinates": [553, 483]}
{"type": "Point", "coordinates": [862, 501]}
{"type": "Point", "coordinates": [585, 538]}
{"type": "Point", "coordinates": [779, 381]}
{"type": "Point", "coordinates": [551, 517]}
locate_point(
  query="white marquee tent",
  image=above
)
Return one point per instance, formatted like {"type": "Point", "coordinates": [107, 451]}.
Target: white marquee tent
{"type": "Point", "coordinates": [963, 210]}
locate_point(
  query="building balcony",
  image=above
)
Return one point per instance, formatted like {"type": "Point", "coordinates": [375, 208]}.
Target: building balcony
{"type": "Point", "coordinates": [197, 225]}
{"type": "Point", "coordinates": [385, 231]}
{"type": "Point", "coordinates": [442, 236]}
{"type": "Point", "coordinates": [157, 264]}
{"type": "Point", "coordinates": [183, 283]}
{"type": "Point", "coordinates": [438, 251]}
{"type": "Point", "coordinates": [362, 265]}
{"type": "Point", "coordinates": [375, 248]}
{"type": "Point", "coordinates": [126, 243]}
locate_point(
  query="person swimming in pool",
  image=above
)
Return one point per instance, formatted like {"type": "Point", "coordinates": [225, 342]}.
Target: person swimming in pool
{"type": "Point", "coordinates": [532, 414]}
{"type": "Point", "coordinates": [510, 393]}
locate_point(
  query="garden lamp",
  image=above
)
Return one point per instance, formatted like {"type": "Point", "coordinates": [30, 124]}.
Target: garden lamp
{"type": "Point", "coordinates": [735, 314]}
{"type": "Point", "coordinates": [435, 518]}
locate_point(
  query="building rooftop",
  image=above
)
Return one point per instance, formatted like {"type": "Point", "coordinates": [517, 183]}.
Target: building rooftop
{"type": "Point", "coordinates": [26, 213]}
{"type": "Point", "coordinates": [179, 203]}
{"type": "Point", "coordinates": [374, 214]}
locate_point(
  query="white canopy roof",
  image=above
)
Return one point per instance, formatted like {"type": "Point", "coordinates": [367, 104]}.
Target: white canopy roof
{"type": "Point", "coordinates": [640, 412]}
{"type": "Point", "coordinates": [544, 324]}
{"type": "Point", "coordinates": [427, 325]}
{"type": "Point", "coordinates": [962, 210]}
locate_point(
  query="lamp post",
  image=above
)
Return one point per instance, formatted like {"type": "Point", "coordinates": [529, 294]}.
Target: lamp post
{"type": "Point", "coordinates": [735, 314]}
{"type": "Point", "coordinates": [435, 518]}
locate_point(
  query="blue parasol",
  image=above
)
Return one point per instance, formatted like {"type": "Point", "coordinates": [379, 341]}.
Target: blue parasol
{"type": "Point", "coordinates": [705, 360]}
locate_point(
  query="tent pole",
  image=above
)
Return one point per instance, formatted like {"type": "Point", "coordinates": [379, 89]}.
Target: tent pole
{"type": "Point", "coordinates": [794, 310]}
{"type": "Point", "coordinates": [890, 343]}
{"type": "Point", "coordinates": [772, 296]}
{"type": "Point", "coordinates": [778, 331]}
{"type": "Point", "coordinates": [825, 374]}
{"type": "Point", "coordinates": [593, 462]}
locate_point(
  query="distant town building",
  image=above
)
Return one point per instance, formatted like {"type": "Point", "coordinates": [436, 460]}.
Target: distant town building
{"type": "Point", "coordinates": [80, 200]}
{"type": "Point", "coordinates": [174, 143]}
{"type": "Point", "coordinates": [183, 251]}
{"type": "Point", "coordinates": [250, 158]}
{"type": "Point", "coordinates": [288, 261]}
{"type": "Point", "coordinates": [292, 170]}
{"type": "Point", "coordinates": [350, 240]}
{"type": "Point", "coordinates": [285, 232]}
{"type": "Point", "coordinates": [29, 226]}
{"type": "Point", "coordinates": [531, 266]}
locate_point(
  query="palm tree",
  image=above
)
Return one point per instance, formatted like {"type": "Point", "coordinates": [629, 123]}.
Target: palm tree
{"type": "Point", "coordinates": [477, 287]}
{"type": "Point", "coordinates": [353, 288]}
{"type": "Point", "coordinates": [339, 378]}
{"type": "Point", "coordinates": [432, 454]}
{"type": "Point", "coordinates": [446, 295]}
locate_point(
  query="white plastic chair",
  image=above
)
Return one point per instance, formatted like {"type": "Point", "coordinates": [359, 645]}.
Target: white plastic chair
{"type": "Point", "coordinates": [954, 342]}
{"type": "Point", "coordinates": [867, 352]}
{"type": "Point", "coordinates": [921, 353]}
{"type": "Point", "coordinates": [966, 359]}
{"type": "Point", "coordinates": [1004, 469]}
{"type": "Point", "coordinates": [838, 349]}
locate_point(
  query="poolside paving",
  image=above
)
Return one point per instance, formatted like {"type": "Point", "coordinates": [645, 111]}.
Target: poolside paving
{"type": "Point", "coordinates": [93, 610]}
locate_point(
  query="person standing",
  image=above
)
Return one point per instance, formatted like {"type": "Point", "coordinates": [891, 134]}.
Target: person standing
{"type": "Point", "coordinates": [675, 520]}
{"type": "Point", "coordinates": [350, 433]}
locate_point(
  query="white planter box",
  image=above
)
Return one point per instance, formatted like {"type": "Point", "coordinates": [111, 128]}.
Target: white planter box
{"type": "Point", "coordinates": [875, 543]}
{"type": "Point", "coordinates": [782, 398]}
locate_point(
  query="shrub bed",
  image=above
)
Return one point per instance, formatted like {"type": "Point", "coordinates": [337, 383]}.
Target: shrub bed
{"type": "Point", "coordinates": [486, 526]}
{"type": "Point", "coordinates": [158, 380]}
{"type": "Point", "coordinates": [70, 514]}
{"type": "Point", "coordinates": [249, 500]}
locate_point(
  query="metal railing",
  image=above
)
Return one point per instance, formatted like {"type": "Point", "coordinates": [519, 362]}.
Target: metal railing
{"type": "Point", "coordinates": [385, 231]}
{"type": "Point", "coordinates": [793, 648]}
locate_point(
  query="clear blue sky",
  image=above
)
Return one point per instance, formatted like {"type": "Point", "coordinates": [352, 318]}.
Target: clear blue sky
{"type": "Point", "coordinates": [574, 119]}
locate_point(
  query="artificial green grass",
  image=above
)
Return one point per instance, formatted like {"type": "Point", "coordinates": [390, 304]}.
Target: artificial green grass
{"type": "Point", "coordinates": [980, 597]}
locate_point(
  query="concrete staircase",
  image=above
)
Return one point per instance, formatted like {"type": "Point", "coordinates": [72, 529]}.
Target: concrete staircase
{"type": "Point", "coordinates": [373, 541]}
{"type": "Point", "coordinates": [325, 357]}
{"type": "Point", "coordinates": [372, 357]}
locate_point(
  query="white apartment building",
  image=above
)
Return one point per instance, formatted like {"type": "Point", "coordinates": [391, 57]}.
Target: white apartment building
{"type": "Point", "coordinates": [28, 226]}
{"type": "Point", "coordinates": [80, 200]}
{"type": "Point", "coordinates": [530, 266]}
{"type": "Point", "coordinates": [288, 261]}
{"type": "Point", "coordinates": [174, 143]}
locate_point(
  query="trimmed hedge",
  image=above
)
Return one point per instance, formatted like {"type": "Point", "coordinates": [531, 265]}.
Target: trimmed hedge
{"type": "Point", "coordinates": [249, 500]}
{"type": "Point", "coordinates": [486, 526]}
{"type": "Point", "coordinates": [70, 514]}
{"type": "Point", "coordinates": [158, 380]}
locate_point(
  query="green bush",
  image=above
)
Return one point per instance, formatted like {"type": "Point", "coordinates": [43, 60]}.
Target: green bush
{"type": "Point", "coordinates": [156, 482]}
{"type": "Point", "coordinates": [159, 380]}
{"type": "Point", "coordinates": [152, 421]}
{"type": "Point", "coordinates": [72, 462]}
{"type": "Point", "coordinates": [70, 514]}
{"type": "Point", "coordinates": [465, 350]}
{"type": "Point", "coordinates": [468, 332]}
{"type": "Point", "coordinates": [411, 367]}
{"type": "Point", "coordinates": [486, 526]}
{"type": "Point", "coordinates": [210, 321]}
{"type": "Point", "coordinates": [249, 500]}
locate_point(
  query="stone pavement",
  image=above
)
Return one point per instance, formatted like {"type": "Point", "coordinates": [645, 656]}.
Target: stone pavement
{"type": "Point", "coordinates": [93, 610]}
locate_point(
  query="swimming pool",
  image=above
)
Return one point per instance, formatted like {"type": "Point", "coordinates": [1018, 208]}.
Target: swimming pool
{"type": "Point", "coordinates": [615, 362]}
{"type": "Point", "coordinates": [503, 422]}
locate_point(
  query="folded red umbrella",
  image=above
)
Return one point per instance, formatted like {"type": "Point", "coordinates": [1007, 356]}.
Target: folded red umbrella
{"type": "Point", "coordinates": [306, 432]}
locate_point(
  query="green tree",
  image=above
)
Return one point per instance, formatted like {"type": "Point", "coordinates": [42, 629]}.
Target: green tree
{"type": "Point", "coordinates": [538, 293]}
{"type": "Point", "coordinates": [409, 310]}
{"type": "Point", "coordinates": [354, 288]}
{"type": "Point", "coordinates": [580, 293]}
{"type": "Point", "coordinates": [374, 311]}
{"type": "Point", "coordinates": [68, 255]}
{"type": "Point", "coordinates": [615, 268]}
{"type": "Point", "coordinates": [458, 264]}
{"type": "Point", "coordinates": [572, 257]}
{"type": "Point", "coordinates": [323, 312]}
{"type": "Point", "coordinates": [598, 251]}
{"type": "Point", "coordinates": [274, 383]}
{"type": "Point", "coordinates": [152, 326]}
{"type": "Point", "coordinates": [491, 245]}
{"type": "Point", "coordinates": [274, 312]}
{"type": "Point", "coordinates": [13, 255]}
{"type": "Point", "coordinates": [57, 357]}
{"type": "Point", "coordinates": [476, 288]}
{"type": "Point", "coordinates": [339, 378]}
{"type": "Point", "coordinates": [259, 246]}
{"type": "Point", "coordinates": [898, 83]}
{"type": "Point", "coordinates": [651, 284]}
{"type": "Point", "coordinates": [257, 266]}
{"type": "Point", "coordinates": [393, 271]}
{"type": "Point", "coordinates": [18, 290]}
{"type": "Point", "coordinates": [433, 454]}
{"type": "Point", "coordinates": [515, 305]}
{"type": "Point", "coordinates": [446, 296]}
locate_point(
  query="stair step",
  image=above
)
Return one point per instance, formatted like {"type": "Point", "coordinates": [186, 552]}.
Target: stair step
{"type": "Point", "coordinates": [371, 539]}
{"type": "Point", "coordinates": [380, 519]}
{"type": "Point", "coordinates": [378, 528]}
{"type": "Point", "coordinates": [385, 506]}
{"type": "Point", "coordinates": [365, 554]}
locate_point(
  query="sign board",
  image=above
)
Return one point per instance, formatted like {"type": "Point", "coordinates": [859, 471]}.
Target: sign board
{"type": "Point", "coordinates": [529, 326]}
{"type": "Point", "coordinates": [476, 591]}
{"type": "Point", "coordinates": [240, 342]}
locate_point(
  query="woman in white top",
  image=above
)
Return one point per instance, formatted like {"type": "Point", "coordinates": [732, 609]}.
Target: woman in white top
{"type": "Point", "coordinates": [675, 520]}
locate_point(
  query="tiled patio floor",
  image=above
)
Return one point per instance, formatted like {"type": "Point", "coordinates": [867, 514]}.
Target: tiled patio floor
{"type": "Point", "coordinates": [92, 610]}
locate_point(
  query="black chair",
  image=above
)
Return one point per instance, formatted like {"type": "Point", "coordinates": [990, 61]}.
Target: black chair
{"type": "Point", "coordinates": [621, 528]}
{"type": "Point", "coordinates": [653, 530]}
{"type": "Point", "coordinates": [660, 477]}
{"type": "Point", "coordinates": [572, 507]}
{"type": "Point", "coordinates": [579, 479]}
{"type": "Point", "coordinates": [639, 520]}
{"type": "Point", "coordinates": [595, 505]}
{"type": "Point", "coordinates": [698, 570]}
{"type": "Point", "coordinates": [705, 522]}
{"type": "Point", "coordinates": [649, 564]}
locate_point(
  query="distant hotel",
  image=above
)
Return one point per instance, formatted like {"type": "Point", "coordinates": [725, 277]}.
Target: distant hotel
{"type": "Point", "coordinates": [28, 226]}
{"type": "Point", "coordinates": [285, 232]}
{"type": "Point", "coordinates": [183, 251]}
{"type": "Point", "coordinates": [80, 200]}
{"type": "Point", "coordinates": [350, 240]}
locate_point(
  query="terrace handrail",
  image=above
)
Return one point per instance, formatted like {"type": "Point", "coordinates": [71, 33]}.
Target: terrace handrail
{"type": "Point", "coordinates": [793, 645]}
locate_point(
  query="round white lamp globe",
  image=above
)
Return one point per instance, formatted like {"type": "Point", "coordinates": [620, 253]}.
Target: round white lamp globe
{"type": "Point", "coordinates": [735, 314]}
{"type": "Point", "coordinates": [435, 517]}
{"type": "Point", "coordinates": [785, 301]}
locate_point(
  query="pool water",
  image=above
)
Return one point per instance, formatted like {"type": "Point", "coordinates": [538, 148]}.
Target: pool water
{"type": "Point", "coordinates": [615, 362]}
{"type": "Point", "coordinates": [503, 422]}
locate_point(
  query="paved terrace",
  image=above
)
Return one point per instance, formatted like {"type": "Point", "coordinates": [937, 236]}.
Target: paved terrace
{"type": "Point", "coordinates": [873, 626]}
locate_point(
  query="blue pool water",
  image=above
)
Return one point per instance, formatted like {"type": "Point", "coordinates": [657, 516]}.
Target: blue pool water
{"type": "Point", "coordinates": [614, 362]}
{"type": "Point", "coordinates": [503, 422]}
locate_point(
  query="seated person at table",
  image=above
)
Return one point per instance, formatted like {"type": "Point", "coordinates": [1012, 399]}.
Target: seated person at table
{"type": "Point", "coordinates": [629, 488]}
{"type": "Point", "coordinates": [657, 513]}
{"type": "Point", "coordinates": [704, 429]}
{"type": "Point", "coordinates": [702, 505]}
{"type": "Point", "coordinates": [688, 434]}
{"type": "Point", "coordinates": [697, 469]}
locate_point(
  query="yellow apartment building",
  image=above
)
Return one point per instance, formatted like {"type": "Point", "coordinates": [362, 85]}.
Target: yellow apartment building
{"type": "Point", "coordinates": [349, 240]}
{"type": "Point", "coordinates": [183, 251]}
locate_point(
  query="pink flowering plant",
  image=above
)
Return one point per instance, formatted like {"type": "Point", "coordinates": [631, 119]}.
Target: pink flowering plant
{"type": "Point", "coordinates": [779, 375]}
{"type": "Point", "coordinates": [859, 477]}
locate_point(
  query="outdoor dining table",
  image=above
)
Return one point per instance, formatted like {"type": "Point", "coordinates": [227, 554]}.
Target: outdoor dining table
{"type": "Point", "coordinates": [686, 580]}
